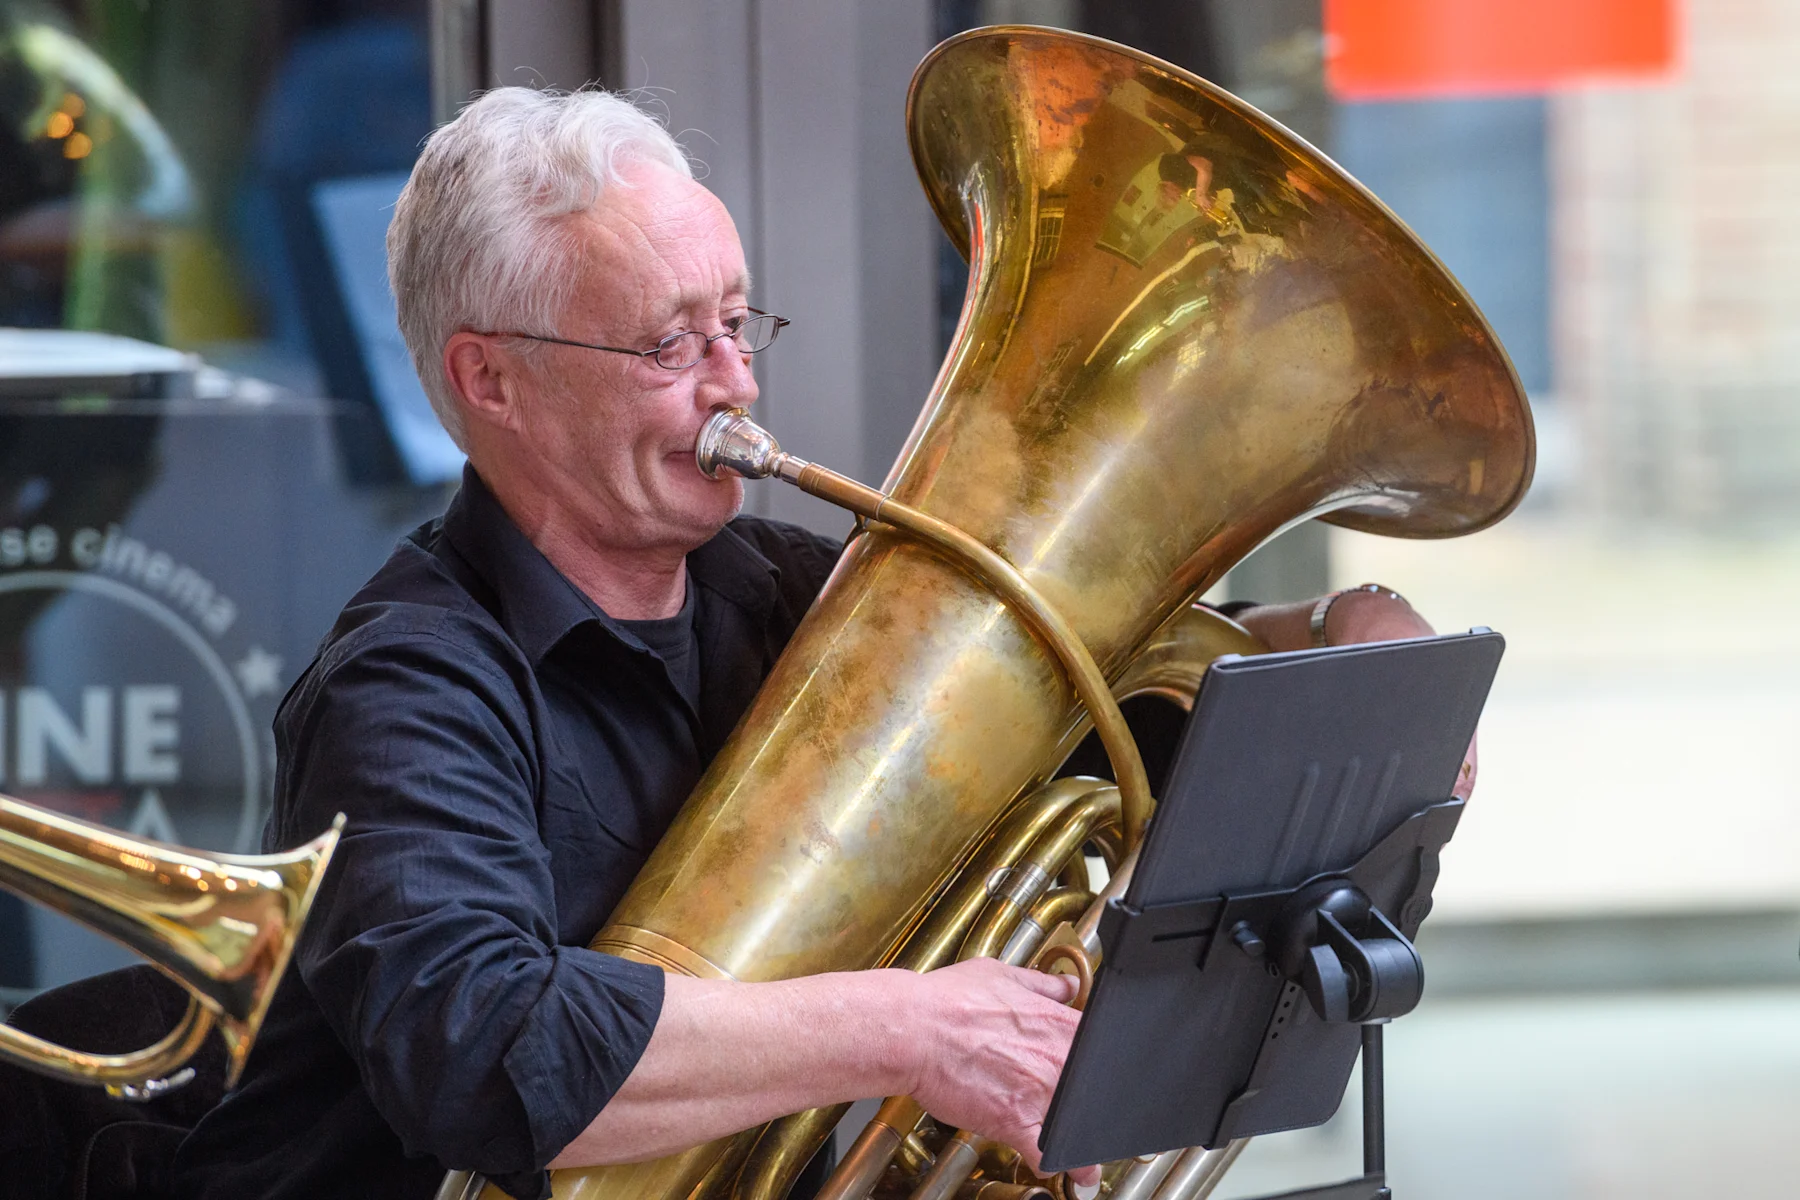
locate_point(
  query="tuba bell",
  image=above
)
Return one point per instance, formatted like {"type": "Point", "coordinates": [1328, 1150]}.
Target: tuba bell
{"type": "Point", "coordinates": [1185, 331]}
{"type": "Point", "coordinates": [222, 926]}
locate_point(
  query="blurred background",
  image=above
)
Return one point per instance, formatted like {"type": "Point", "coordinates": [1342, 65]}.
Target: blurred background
{"type": "Point", "coordinates": [210, 434]}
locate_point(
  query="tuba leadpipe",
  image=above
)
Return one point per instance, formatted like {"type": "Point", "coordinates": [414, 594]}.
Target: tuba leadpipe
{"type": "Point", "coordinates": [222, 926]}
{"type": "Point", "coordinates": [731, 441]}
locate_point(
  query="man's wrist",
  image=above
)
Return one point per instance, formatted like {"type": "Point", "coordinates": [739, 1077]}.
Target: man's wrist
{"type": "Point", "coordinates": [1372, 616]}
{"type": "Point", "coordinates": [891, 1003]}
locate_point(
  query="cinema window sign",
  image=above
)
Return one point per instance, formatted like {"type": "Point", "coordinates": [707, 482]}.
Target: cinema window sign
{"type": "Point", "coordinates": [131, 690]}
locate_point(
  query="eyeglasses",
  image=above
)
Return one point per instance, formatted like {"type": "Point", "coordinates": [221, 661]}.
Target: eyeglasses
{"type": "Point", "coordinates": [679, 351]}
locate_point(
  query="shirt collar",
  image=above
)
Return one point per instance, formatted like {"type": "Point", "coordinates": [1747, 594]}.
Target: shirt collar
{"type": "Point", "coordinates": [539, 606]}
{"type": "Point", "coordinates": [737, 571]}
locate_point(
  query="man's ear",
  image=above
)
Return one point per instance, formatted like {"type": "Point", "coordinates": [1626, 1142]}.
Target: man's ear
{"type": "Point", "coordinates": [483, 375]}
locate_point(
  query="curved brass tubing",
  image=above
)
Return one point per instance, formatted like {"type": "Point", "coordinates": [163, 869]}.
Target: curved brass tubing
{"type": "Point", "coordinates": [788, 1144]}
{"type": "Point", "coordinates": [722, 1177]}
{"type": "Point", "coordinates": [946, 925]}
{"type": "Point", "coordinates": [1171, 664]}
{"type": "Point", "coordinates": [1005, 580]}
{"type": "Point", "coordinates": [1173, 660]}
{"type": "Point", "coordinates": [114, 1071]}
{"type": "Point", "coordinates": [1031, 877]}
{"type": "Point", "coordinates": [783, 1150]}
{"type": "Point", "coordinates": [1058, 906]}
{"type": "Point", "coordinates": [1031, 843]}
{"type": "Point", "coordinates": [880, 1141]}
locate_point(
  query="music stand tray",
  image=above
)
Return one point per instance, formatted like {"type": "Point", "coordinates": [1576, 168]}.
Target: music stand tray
{"type": "Point", "coordinates": [1271, 913]}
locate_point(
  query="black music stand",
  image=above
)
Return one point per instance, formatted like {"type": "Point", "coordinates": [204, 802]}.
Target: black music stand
{"type": "Point", "coordinates": [1266, 933]}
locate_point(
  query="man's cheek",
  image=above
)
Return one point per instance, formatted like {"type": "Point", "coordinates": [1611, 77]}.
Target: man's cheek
{"type": "Point", "coordinates": [719, 499]}
{"type": "Point", "coordinates": [734, 497]}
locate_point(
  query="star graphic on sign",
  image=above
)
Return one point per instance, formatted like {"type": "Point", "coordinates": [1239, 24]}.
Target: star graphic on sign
{"type": "Point", "coordinates": [259, 672]}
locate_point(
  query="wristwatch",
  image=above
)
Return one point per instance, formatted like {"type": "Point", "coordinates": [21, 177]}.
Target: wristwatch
{"type": "Point", "coordinates": [1315, 624]}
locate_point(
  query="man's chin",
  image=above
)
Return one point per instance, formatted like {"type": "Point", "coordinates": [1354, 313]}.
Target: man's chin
{"type": "Point", "coordinates": [707, 509]}
{"type": "Point", "coordinates": [737, 503]}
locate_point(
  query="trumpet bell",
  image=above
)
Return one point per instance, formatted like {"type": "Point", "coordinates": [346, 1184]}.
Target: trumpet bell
{"type": "Point", "coordinates": [223, 926]}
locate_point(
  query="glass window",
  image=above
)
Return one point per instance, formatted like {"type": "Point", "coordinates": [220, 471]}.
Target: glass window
{"type": "Point", "coordinates": [217, 177]}
{"type": "Point", "coordinates": [210, 434]}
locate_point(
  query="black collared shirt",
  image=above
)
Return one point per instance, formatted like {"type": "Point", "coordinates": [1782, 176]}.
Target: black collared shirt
{"type": "Point", "coordinates": [508, 755]}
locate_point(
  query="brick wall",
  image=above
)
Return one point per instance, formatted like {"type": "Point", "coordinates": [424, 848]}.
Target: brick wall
{"type": "Point", "coordinates": [1676, 276]}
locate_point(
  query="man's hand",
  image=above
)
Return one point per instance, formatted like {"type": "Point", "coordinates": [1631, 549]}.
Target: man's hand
{"type": "Point", "coordinates": [993, 1042]}
{"type": "Point", "coordinates": [1465, 778]}
{"type": "Point", "coordinates": [980, 1045]}
{"type": "Point", "coordinates": [1353, 617]}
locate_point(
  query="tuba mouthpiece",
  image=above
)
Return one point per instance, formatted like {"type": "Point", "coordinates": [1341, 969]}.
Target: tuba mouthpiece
{"type": "Point", "coordinates": [731, 441]}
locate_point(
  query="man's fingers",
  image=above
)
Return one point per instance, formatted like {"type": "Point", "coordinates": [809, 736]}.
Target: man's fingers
{"type": "Point", "coordinates": [1060, 988]}
{"type": "Point", "coordinates": [1465, 778]}
{"type": "Point", "coordinates": [1028, 1151]}
{"type": "Point", "coordinates": [1027, 1146]}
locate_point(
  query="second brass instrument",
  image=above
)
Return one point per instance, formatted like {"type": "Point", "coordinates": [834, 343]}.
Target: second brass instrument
{"type": "Point", "coordinates": [222, 926]}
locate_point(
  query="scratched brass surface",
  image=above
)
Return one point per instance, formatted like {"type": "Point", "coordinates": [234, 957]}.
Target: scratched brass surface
{"type": "Point", "coordinates": [1150, 378]}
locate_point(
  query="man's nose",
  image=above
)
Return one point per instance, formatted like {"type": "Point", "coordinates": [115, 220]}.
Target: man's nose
{"type": "Point", "coordinates": [726, 367]}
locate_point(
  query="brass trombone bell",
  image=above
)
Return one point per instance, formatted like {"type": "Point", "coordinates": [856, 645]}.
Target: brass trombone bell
{"type": "Point", "coordinates": [223, 926]}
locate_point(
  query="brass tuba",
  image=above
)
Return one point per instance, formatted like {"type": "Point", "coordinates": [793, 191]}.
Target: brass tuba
{"type": "Point", "coordinates": [1185, 331]}
{"type": "Point", "coordinates": [223, 926]}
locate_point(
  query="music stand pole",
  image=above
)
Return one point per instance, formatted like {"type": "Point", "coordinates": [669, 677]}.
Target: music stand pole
{"type": "Point", "coordinates": [1374, 1119]}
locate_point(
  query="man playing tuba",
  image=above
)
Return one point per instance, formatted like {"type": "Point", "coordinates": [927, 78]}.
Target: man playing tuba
{"type": "Point", "coordinates": [513, 709]}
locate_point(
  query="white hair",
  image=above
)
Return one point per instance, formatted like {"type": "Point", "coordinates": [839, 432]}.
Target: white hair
{"type": "Point", "coordinates": [481, 233]}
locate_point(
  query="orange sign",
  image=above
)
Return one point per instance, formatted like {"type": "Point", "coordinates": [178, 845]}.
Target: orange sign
{"type": "Point", "coordinates": [1394, 49]}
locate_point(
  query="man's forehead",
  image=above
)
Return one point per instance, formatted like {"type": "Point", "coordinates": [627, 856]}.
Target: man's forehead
{"type": "Point", "coordinates": [671, 241]}
{"type": "Point", "coordinates": [699, 293]}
